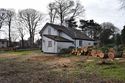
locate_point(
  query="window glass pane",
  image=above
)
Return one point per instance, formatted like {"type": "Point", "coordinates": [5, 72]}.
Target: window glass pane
{"type": "Point", "coordinates": [80, 42]}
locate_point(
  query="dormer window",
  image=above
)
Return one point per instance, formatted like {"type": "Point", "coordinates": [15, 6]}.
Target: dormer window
{"type": "Point", "coordinates": [49, 31]}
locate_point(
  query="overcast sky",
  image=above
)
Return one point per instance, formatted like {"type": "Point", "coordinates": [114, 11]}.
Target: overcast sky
{"type": "Point", "coordinates": [99, 10]}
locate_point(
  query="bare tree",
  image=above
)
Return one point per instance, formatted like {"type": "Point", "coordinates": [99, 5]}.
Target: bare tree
{"type": "Point", "coordinates": [9, 19]}
{"type": "Point", "coordinates": [21, 30]}
{"type": "Point", "coordinates": [31, 19]}
{"type": "Point", "coordinates": [112, 27]}
{"type": "Point", "coordinates": [63, 9]}
{"type": "Point", "coordinates": [14, 36]}
{"type": "Point", "coordinates": [3, 16]}
{"type": "Point", "coordinates": [78, 10]}
{"type": "Point", "coordinates": [122, 4]}
{"type": "Point", "coordinates": [52, 12]}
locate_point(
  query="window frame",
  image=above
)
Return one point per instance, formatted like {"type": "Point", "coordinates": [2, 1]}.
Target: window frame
{"type": "Point", "coordinates": [49, 43]}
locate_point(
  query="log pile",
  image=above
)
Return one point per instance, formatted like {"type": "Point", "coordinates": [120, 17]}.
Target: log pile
{"type": "Point", "coordinates": [81, 51]}
{"type": "Point", "coordinates": [97, 53]}
{"type": "Point", "coordinates": [89, 51]}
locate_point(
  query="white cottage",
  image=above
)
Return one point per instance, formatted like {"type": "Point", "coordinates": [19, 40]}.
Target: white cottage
{"type": "Point", "coordinates": [56, 37]}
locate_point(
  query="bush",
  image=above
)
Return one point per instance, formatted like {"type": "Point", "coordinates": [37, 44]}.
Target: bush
{"type": "Point", "coordinates": [119, 51]}
{"type": "Point", "coordinates": [66, 50]}
{"type": "Point", "coordinates": [119, 54]}
{"type": "Point", "coordinates": [104, 49]}
{"type": "Point", "coordinates": [71, 47]}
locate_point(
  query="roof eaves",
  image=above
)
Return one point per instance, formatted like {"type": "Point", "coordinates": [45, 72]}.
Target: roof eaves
{"type": "Point", "coordinates": [56, 38]}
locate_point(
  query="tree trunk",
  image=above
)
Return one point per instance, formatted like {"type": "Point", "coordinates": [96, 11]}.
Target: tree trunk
{"type": "Point", "coordinates": [9, 33]}
{"type": "Point", "coordinates": [22, 42]}
{"type": "Point", "coordinates": [31, 40]}
{"type": "Point", "coordinates": [61, 19]}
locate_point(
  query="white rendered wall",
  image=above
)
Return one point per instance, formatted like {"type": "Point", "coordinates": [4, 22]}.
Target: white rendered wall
{"type": "Point", "coordinates": [45, 40]}
{"type": "Point", "coordinates": [61, 45]}
{"type": "Point", "coordinates": [84, 43]}
{"type": "Point", "coordinates": [47, 49]}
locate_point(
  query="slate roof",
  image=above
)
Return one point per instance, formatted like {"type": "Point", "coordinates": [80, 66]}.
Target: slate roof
{"type": "Point", "coordinates": [73, 33]}
{"type": "Point", "coordinates": [57, 38]}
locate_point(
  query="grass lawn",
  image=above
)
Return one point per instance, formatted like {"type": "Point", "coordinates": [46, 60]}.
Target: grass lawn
{"type": "Point", "coordinates": [35, 67]}
{"type": "Point", "coordinates": [114, 70]}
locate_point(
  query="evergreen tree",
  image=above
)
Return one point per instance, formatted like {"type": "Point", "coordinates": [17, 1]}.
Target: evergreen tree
{"type": "Point", "coordinates": [71, 23]}
{"type": "Point", "coordinates": [90, 27]}
{"type": "Point", "coordinates": [123, 35]}
{"type": "Point", "coordinates": [118, 39]}
{"type": "Point", "coordinates": [105, 36]}
{"type": "Point", "coordinates": [83, 25]}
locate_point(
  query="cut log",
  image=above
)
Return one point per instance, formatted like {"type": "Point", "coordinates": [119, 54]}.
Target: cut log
{"type": "Point", "coordinates": [111, 56]}
{"type": "Point", "coordinates": [94, 53]}
{"type": "Point", "coordinates": [100, 54]}
{"type": "Point", "coordinates": [112, 50]}
{"type": "Point", "coordinates": [85, 49]}
{"type": "Point", "coordinates": [78, 53]}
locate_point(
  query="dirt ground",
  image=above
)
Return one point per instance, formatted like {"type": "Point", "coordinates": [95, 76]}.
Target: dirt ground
{"type": "Point", "coordinates": [45, 68]}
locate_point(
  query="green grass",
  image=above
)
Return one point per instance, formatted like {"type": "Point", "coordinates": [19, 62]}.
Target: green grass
{"type": "Point", "coordinates": [115, 70]}
{"type": "Point", "coordinates": [118, 73]}
{"type": "Point", "coordinates": [3, 59]}
{"type": "Point", "coordinates": [20, 52]}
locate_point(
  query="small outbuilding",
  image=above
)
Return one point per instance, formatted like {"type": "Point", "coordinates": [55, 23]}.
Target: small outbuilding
{"type": "Point", "coordinates": [3, 43]}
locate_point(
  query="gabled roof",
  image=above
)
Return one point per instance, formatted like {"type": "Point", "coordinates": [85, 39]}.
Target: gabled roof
{"type": "Point", "coordinates": [3, 40]}
{"type": "Point", "coordinates": [73, 33]}
{"type": "Point", "coordinates": [57, 38]}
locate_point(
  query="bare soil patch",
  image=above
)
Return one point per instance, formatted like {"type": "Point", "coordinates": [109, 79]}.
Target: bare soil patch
{"type": "Point", "coordinates": [8, 55]}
